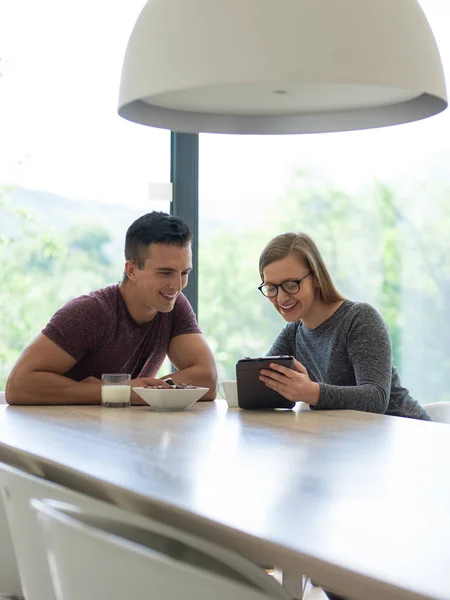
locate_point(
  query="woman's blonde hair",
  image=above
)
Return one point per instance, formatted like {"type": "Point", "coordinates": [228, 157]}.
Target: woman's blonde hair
{"type": "Point", "coordinates": [303, 247]}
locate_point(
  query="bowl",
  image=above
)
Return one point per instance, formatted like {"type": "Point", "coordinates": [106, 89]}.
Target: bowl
{"type": "Point", "coordinates": [170, 399]}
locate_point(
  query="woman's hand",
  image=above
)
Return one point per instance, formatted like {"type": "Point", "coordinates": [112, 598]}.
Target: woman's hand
{"type": "Point", "coordinates": [295, 386]}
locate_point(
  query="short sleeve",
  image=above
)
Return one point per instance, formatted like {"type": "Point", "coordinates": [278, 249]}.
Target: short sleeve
{"type": "Point", "coordinates": [78, 327]}
{"type": "Point", "coordinates": [184, 320]}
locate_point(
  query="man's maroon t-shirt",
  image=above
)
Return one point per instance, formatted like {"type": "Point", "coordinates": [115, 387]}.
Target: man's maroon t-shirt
{"type": "Point", "coordinates": [99, 332]}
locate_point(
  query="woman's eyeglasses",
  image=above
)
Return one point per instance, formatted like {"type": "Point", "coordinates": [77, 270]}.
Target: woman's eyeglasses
{"type": "Point", "coordinates": [270, 290]}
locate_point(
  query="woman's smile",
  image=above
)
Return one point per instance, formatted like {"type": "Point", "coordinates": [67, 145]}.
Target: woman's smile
{"type": "Point", "coordinates": [286, 307]}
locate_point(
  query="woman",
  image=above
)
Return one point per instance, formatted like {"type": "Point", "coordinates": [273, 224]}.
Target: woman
{"type": "Point", "coordinates": [342, 349]}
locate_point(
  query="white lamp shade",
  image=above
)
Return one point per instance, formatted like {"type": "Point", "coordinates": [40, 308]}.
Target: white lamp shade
{"type": "Point", "coordinates": [280, 66]}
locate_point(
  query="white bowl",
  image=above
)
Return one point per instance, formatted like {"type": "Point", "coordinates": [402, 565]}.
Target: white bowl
{"type": "Point", "coordinates": [170, 399]}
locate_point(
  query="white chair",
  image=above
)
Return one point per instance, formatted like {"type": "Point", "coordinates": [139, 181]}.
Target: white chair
{"type": "Point", "coordinates": [93, 557]}
{"type": "Point", "coordinates": [439, 411]}
{"type": "Point", "coordinates": [19, 487]}
{"type": "Point", "coordinates": [10, 586]}
{"type": "Point", "coordinates": [9, 576]}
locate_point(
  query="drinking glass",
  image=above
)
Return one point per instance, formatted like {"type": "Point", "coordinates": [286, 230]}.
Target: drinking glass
{"type": "Point", "coordinates": [116, 390]}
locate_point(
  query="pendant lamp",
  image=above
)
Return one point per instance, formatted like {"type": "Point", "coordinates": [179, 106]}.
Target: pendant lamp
{"type": "Point", "coordinates": [280, 66]}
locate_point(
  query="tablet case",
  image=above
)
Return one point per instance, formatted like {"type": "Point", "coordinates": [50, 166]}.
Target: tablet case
{"type": "Point", "coordinates": [253, 393]}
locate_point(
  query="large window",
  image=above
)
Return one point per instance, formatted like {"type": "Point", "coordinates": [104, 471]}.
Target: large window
{"type": "Point", "coordinates": [73, 174]}
{"type": "Point", "coordinates": [376, 202]}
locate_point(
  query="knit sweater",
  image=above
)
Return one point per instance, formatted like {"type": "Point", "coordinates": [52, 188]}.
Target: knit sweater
{"type": "Point", "coordinates": [350, 356]}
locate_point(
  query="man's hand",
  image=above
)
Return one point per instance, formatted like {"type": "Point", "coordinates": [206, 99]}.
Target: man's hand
{"type": "Point", "coordinates": [144, 382]}
{"type": "Point", "coordinates": [141, 382]}
{"type": "Point", "coordinates": [295, 386]}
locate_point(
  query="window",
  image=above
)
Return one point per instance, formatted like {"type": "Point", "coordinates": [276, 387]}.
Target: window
{"type": "Point", "coordinates": [377, 204]}
{"type": "Point", "coordinates": [73, 174]}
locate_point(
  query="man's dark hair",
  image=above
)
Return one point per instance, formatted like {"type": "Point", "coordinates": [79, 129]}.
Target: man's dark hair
{"type": "Point", "coordinates": [154, 228]}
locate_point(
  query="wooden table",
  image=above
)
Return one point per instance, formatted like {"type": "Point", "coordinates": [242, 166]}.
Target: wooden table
{"type": "Point", "coordinates": [360, 502]}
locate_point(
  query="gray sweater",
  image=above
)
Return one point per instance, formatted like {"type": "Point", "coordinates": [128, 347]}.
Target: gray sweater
{"type": "Point", "coordinates": [350, 356]}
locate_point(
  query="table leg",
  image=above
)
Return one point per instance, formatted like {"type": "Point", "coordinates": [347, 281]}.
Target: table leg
{"type": "Point", "coordinates": [294, 583]}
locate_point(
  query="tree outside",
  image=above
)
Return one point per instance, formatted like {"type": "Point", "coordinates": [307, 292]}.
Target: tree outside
{"type": "Point", "coordinates": [41, 270]}
{"type": "Point", "coordinates": [377, 249]}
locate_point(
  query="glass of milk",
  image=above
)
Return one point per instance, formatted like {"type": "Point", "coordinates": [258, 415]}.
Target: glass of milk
{"type": "Point", "coordinates": [116, 390]}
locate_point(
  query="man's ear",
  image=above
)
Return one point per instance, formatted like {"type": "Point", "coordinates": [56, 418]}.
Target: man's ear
{"type": "Point", "coordinates": [130, 270]}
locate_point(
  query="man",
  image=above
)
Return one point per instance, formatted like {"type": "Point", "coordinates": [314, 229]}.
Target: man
{"type": "Point", "coordinates": [124, 328]}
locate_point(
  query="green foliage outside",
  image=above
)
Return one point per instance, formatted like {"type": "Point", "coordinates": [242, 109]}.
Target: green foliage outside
{"type": "Point", "coordinates": [40, 271]}
{"type": "Point", "coordinates": [357, 236]}
{"type": "Point", "coordinates": [379, 248]}
{"type": "Point", "coordinates": [376, 247]}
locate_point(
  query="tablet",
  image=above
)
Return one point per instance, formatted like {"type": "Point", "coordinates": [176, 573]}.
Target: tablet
{"type": "Point", "coordinates": [253, 393]}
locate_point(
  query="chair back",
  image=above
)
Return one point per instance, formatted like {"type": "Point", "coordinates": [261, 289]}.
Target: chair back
{"type": "Point", "coordinates": [19, 488]}
{"type": "Point", "coordinates": [9, 575]}
{"type": "Point", "coordinates": [439, 411]}
{"type": "Point", "coordinates": [89, 561]}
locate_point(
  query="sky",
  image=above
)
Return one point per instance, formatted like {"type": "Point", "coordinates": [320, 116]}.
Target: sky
{"type": "Point", "coordinates": [60, 132]}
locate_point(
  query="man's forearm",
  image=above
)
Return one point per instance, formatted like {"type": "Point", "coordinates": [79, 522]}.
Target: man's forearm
{"type": "Point", "coordinates": [41, 388]}
{"type": "Point", "coordinates": [199, 376]}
